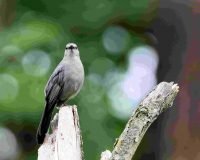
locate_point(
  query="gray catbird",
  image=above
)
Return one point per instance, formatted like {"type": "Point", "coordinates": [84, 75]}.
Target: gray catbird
{"type": "Point", "coordinates": [65, 82]}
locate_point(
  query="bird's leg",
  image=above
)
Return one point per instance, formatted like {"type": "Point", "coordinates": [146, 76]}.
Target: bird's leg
{"type": "Point", "coordinates": [63, 104]}
{"type": "Point", "coordinates": [59, 106]}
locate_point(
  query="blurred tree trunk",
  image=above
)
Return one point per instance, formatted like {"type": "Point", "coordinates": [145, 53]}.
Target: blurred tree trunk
{"type": "Point", "coordinates": [7, 12]}
{"type": "Point", "coordinates": [186, 132]}
{"type": "Point", "coordinates": [178, 35]}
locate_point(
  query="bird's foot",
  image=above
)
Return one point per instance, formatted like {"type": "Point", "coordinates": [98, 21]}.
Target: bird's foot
{"type": "Point", "coordinates": [62, 105]}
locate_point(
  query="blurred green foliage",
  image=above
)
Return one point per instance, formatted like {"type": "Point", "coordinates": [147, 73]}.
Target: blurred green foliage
{"type": "Point", "coordinates": [48, 25]}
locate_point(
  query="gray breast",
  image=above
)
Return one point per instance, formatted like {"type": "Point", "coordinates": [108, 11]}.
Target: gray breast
{"type": "Point", "coordinates": [74, 77]}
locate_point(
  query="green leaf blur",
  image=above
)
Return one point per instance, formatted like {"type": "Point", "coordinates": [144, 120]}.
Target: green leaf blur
{"type": "Point", "coordinates": [47, 25]}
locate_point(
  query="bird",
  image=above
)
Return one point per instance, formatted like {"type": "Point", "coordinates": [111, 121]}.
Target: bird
{"type": "Point", "coordinates": [64, 84]}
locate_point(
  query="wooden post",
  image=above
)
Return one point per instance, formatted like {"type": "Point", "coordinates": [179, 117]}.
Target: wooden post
{"type": "Point", "coordinates": [65, 142]}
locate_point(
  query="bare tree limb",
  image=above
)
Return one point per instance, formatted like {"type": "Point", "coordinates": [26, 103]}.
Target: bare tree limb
{"type": "Point", "coordinates": [65, 142]}
{"type": "Point", "coordinates": [160, 99]}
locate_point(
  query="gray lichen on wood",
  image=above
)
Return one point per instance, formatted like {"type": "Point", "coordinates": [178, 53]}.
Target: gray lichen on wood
{"type": "Point", "coordinates": [151, 107]}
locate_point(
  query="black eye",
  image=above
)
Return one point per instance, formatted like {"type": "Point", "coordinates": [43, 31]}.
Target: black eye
{"type": "Point", "coordinates": [71, 47]}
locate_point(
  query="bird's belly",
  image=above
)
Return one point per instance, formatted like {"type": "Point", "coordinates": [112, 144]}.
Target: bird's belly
{"type": "Point", "coordinates": [71, 89]}
{"type": "Point", "coordinates": [74, 78]}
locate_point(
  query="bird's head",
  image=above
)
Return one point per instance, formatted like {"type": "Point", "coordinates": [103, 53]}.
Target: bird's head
{"type": "Point", "coordinates": [71, 50]}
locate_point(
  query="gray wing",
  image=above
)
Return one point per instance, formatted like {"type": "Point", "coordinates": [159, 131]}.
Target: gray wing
{"type": "Point", "coordinates": [55, 85]}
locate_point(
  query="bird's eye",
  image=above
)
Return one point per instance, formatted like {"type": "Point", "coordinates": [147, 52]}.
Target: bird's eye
{"type": "Point", "coordinates": [71, 47]}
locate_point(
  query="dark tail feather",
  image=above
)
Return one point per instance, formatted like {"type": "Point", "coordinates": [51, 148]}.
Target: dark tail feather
{"type": "Point", "coordinates": [44, 123]}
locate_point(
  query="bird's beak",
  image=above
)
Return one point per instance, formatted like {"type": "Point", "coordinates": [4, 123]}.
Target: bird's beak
{"type": "Point", "coordinates": [71, 51]}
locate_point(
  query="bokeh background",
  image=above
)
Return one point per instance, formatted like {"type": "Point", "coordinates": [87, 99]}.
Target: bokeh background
{"type": "Point", "coordinates": [127, 47]}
